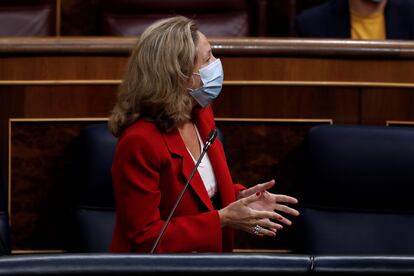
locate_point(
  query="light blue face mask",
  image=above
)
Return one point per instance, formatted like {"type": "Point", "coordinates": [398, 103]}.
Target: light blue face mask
{"type": "Point", "coordinates": [212, 77]}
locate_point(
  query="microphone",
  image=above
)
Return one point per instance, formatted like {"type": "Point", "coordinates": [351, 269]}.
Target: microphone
{"type": "Point", "coordinates": [211, 137]}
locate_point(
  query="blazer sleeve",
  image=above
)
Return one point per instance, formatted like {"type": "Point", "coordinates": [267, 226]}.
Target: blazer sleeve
{"type": "Point", "coordinates": [237, 189]}
{"type": "Point", "coordinates": [136, 176]}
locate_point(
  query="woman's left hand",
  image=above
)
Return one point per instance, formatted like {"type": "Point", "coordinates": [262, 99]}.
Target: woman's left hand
{"type": "Point", "coordinates": [271, 202]}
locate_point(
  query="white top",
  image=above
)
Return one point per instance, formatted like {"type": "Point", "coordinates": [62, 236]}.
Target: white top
{"type": "Point", "coordinates": [205, 170]}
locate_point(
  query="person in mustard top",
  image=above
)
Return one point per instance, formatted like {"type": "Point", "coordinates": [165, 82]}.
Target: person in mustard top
{"type": "Point", "coordinates": [358, 19]}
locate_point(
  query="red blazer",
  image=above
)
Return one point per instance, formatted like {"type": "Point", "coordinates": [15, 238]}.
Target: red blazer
{"type": "Point", "coordinates": [149, 171]}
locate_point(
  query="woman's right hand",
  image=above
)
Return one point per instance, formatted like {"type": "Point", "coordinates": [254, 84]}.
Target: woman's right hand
{"type": "Point", "coordinates": [240, 216]}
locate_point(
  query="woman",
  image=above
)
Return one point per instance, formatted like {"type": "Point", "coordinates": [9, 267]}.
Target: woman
{"type": "Point", "coordinates": [162, 118]}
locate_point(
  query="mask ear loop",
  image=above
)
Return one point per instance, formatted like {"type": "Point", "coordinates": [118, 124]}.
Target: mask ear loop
{"type": "Point", "coordinates": [192, 81]}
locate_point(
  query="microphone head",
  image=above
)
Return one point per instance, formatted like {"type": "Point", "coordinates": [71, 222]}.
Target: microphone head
{"type": "Point", "coordinates": [210, 139]}
{"type": "Point", "coordinates": [212, 136]}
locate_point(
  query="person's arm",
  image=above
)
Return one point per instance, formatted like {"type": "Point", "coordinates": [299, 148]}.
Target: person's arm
{"type": "Point", "coordinates": [238, 188]}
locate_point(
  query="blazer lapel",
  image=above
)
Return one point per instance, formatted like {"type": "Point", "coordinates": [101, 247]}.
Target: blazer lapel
{"type": "Point", "coordinates": [176, 147]}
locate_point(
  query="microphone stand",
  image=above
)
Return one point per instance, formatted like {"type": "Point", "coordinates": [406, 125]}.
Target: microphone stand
{"type": "Point", "coordinates": [210, 139]}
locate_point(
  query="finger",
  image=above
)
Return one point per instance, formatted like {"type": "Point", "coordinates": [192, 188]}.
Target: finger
{"type": "Point", "coordinates": [284, 220]}
{"type": "Point", "coordinates": [267, 185]}
{"type": "Point", "coordinates": [258, 188]}
{"type": "Point", "coordinates": [262, 186]}
{"type": "Point", "coordinates": [285, 199]}
{"type": "Point", "coordinates": [286, 209]}
{"type": "Point", "coordinates": [266, 223]}
{"type": "Point", "coordinates": [259, 215]}
{"type": "Point", "coordinates": [250, 198]}
{"type": "Point", "coordinates": [266, 232]}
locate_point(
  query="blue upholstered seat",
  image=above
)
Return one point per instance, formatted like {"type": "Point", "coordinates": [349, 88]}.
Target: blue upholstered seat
{"type": "Point", "coordinates": [95, 207]}
{"type": "Point", "coordinates": [358, 190]}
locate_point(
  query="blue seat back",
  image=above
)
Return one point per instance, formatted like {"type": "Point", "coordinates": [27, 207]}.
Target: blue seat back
{"type": "Point", "coordinates": [358, 190]}
{"type": "Point", "coordinates": [95, 205]}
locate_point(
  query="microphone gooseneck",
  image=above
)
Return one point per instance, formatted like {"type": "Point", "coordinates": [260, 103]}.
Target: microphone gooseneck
{"type": "Point", "coordinates": [211, 137]}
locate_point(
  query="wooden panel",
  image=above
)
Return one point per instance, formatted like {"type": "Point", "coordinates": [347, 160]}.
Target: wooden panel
{"type": "Point", "coordinates": [235, 68]}
{"type": "Point", "coordinates": [315, 69]}
{"type": "Point", "coordinates": [41, 191]}
{"type": "Point", "coordinates": [42, 101]}
{"type": "Point", "coordinates": [340, 104]}
{"type": "Point", "coordinates": [381, 105]}
{"type": "Point", "coordinates": [62, 68]}
{"type": "Point", "coordinates": [39, 101]}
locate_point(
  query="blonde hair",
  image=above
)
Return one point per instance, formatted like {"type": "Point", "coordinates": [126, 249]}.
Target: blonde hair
{"type": "Point", "coordinates": [156, 82]}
